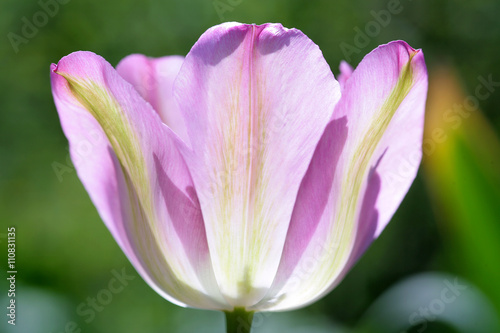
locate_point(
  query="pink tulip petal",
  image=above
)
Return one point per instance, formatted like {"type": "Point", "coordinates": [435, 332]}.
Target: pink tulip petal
{"type": "Point", "coordinates": [383, 104]}
{"type": "Point", "coordinates": [130, 165]}
{"type": "Point", "coordinates": [256, 100]}
{"type": "Point", "coordinates": [345, 73]}
{"type": "Point", "coordinates": [153, 78]}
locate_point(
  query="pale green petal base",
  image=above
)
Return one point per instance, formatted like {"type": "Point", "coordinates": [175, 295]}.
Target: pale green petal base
{"type": "Point", "coordinates": [239, 321]}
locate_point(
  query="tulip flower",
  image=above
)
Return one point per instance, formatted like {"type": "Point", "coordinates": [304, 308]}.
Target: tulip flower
{"type": "Point", "coordinates": [244, 177]}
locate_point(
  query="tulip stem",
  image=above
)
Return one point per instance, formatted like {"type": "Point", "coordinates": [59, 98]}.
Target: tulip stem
{"type": "Point", "coordinates": [239, 320]}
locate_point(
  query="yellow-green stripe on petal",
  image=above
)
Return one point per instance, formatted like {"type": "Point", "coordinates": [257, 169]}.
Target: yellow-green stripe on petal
{"type": "Point", "coordinates": [144, 192]}
{"type": "Point", "coordinates": [333, 224]}
{"type": "Point", "coordinates": [110, 116]}
{"type": "Point", "coordinates": [360, 162]}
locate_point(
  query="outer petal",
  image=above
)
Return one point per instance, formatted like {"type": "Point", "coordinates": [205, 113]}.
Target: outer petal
{"type": "Point", "coordinates": [367, 175]}
{"type": "Point", "coordinates": [259, 99]}
{"type": "Point", "coordinates": [129, 164]}
{"type": "Point", "coordinates": [153, 78]}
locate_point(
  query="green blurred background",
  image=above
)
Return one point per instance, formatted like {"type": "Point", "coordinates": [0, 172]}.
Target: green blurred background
{"type": "Point", "coordinates": [434, 269]}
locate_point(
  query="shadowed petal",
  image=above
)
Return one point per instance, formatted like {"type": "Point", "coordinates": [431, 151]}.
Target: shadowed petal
{"type": "Point", "coordinates": [383, 102]}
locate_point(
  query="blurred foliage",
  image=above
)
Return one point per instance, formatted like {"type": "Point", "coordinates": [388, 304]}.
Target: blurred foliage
{"type": "Point", "coordinates": [462, 168]}
{"type": "Point", "coordinates": [65, 253]}
{"type": "Point", "coordinates": [431, 302]}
